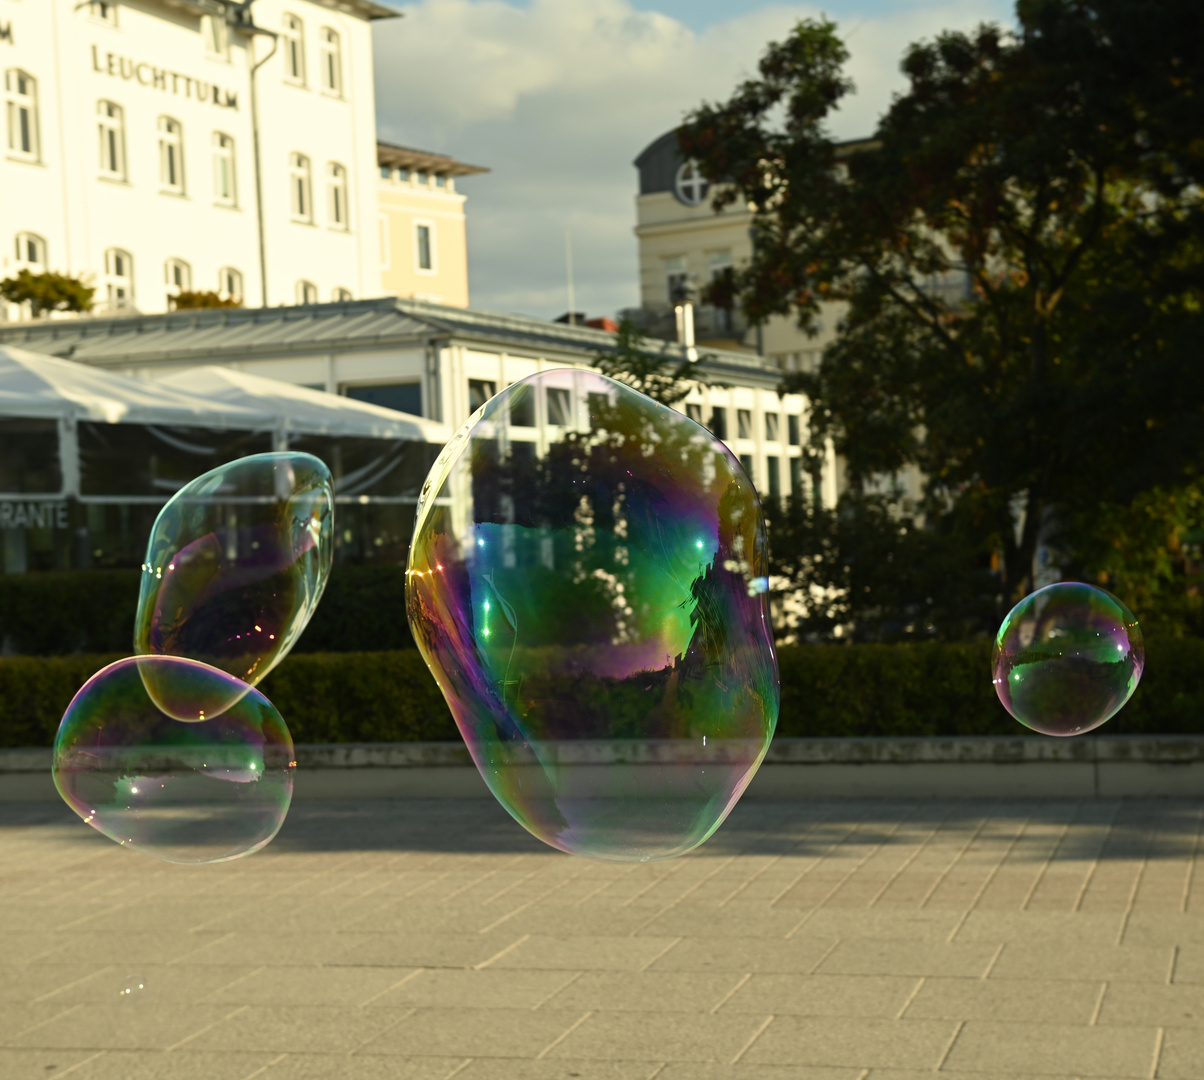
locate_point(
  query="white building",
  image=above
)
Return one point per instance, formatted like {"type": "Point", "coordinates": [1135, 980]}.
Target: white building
{"type": "Point", "coordinates": [203, 145]}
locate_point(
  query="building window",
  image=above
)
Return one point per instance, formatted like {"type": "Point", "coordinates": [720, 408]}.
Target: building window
{"type": "Point", "coordinates": [440, 180]}
{"type": "Point", "coordinates": [103, 11]}
{"type": "Point", "coordinates": [21, 93]}
{"type": "Point", "coordinates": [479, 392]}
{"type": "Point", "coordinates": [694, 412]}
{"type": "Point", "coordinates": [31, 252]}
{"type": "Point", "coordinates": [386, 173]}
{"type": "Point", "coordinates": [119, 278]}
{"type": "Point", "coordinates": [771, 427]}
{"type": "Point", "coordinates": [721, 318]}
{"type": "Point", "coordinates": [332, 62]}
{"type": "Point", "coordinates": [719, 423]}
{"type": "Point", "coordinates": [300, 188]}
{"type": "Point", "coordinates": [796, 476]}
{"type": "Point", "coordinates": [424, 248]}
{"type": "Point", "coordinates": [690, 186]}
{"type": "Point", "coordinates": [229, 283]}
{"type": "Point", "coordinates": [336, 195]}
{"type": "Point", "coordinates": [422, 179]}
{"type": "Point", "coordinates": [177, 275]}
{"type": "Point", "coordinates": [773, 472]}
{"type": "Point", "coordinates": [744, 423]}
{"type": "Point", "coordinates": [560, 406]}
{"type": "Point", "coordinates": [746, 463]}
{"type": "Point", "coordinates": [216, 35]}
{"type": "Point", "coordinates": [225, 190]}
{"type": "Point", "coordinates": [403, 397]}
{"type": "Point", "coordinates": [111, 122]}
{"type": "Point", "coordinates": [676, 278]}
{"type": "Point", "coordinates": [307, 292]}
{"type": "Point", "coordinates": [341, 295]}
{"type": "Point", "coordinates": [171, 156]}
{"type": "Point", "coordinates": [792, 429]}
{"type": "Point", "coordinates": [292, 44]}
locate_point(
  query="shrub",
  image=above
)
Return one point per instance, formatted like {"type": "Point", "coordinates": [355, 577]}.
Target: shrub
{"type": "Point", "coordinates": [827, 690]}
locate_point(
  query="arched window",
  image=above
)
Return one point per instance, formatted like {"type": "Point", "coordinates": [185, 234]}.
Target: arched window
{"type": "Point", "coordinates": [340, 295]}
{"type": "Point", "coordinates": [332, 62]}
{"type": "Point", "coordinates": [21, 104]}
{"type": "Point", "coordinates": [177, 275]}
{"type": "Point", "coordinates": [31, 253]}
{"type": "Point", "coordinates": [225, 189]}
{"type": "Point", "coordinates": [336, 192]}
{"type": "Point", "coordinates": [119, 278]}
{"type": "Point", "coordinates": [292, 45]}
{"type": "Point", "coordinates": [171, 155]}
{"type": "Point", "coordinates": [300, 188]}
{"type": "Point", "coordinates": [690, 185]}
{"type": "Point", "coordinates": [229, 283]}
{"type": "Point", "coordinates": [307, 292]}
{"type": "Point", "coordinates": [111, 123]}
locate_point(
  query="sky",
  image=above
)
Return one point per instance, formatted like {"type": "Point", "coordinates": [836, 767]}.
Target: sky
{"type": "Point", "coordinates": [558, 97]}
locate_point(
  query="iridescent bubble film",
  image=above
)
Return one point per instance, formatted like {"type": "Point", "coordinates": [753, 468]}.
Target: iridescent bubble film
{"type": "Point", "coordinates": [1067, 658]}
{"type": "Point", "coordinates": [587, 584]}
{"type": "Point", "coordinates": [236, 565]}
{"type": "Point", "coordinates": [199, 792]}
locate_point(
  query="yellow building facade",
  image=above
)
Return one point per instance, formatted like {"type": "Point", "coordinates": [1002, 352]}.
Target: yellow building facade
{"type": "Point", "coordinates": [423, 238]}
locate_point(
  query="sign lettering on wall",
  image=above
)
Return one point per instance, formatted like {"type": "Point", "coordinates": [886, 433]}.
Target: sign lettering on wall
{"type": "Point", "coordinates": [171, 82]}
{"type": "Point", "coordinates": [33, 515]}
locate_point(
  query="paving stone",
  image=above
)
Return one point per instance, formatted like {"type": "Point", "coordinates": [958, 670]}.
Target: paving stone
{"type": "Point", "coordinates": [822, 995]}
{"type": "Point", "coordinates": [852, 1042]}
{"type": "Point", "coordinates": [1054, 1049]}
{"type": "Point", "coordinates": [1006, 999]}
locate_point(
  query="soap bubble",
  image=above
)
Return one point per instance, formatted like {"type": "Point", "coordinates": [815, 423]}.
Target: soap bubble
{"type": "Point", "coordinates": [235, 566]}
{"type": "Point", "coordinates": [199, 792]}
{"type": "Point", "coordinates": [133, 989]}
{"type": "Point", "coordinates": [1067, 658]}
{"type": "Point", "coordinates": [587, 584]}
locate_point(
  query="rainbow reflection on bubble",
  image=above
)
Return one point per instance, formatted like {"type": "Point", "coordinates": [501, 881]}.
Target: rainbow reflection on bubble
{"type": "Point", "coordinates": [236, 564]}
{"type": "Point", "coordinates": [587, 584]}
{"type": "Point", "coordinates": [199, 792]}
{"type": "Point", "coordinates": [1067, 658]}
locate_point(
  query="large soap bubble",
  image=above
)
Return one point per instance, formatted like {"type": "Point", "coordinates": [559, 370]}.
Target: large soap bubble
{"type": "Point", "coordinates": [1067, 658]}
{"type": "Point", "coordinates": [199, 792]}
{"type": "Point", "coordinates": [587, 583]}
{"type": "Point", "coordinates": [236, 564]}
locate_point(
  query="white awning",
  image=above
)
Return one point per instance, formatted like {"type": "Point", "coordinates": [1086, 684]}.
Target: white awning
{"type": "Point", "coordinates": [302, 410]}
{"type": "Point", "coordinates": [34, 385]}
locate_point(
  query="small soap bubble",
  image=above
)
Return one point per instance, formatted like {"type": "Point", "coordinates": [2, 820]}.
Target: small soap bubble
{"type": "Point", "coordinates": [186, 792]}
{"type": "Point", "coordinates": [235, 567]}
{"type": "Point", "coordinates": [587, 584]}
{"type": "Point", "coordinates": [1067, 658]}
{"type": "Point", "coordinates": [133, 989]}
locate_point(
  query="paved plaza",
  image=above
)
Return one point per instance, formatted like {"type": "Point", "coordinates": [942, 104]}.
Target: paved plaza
{"type": "Point", "coordinates": [434, 939]}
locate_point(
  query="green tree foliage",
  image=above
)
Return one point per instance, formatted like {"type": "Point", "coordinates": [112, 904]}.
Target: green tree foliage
{"type": "Point", "coordinates": [47, 292]}
{"type": "Point", "coordinates": [1019, 254]}
{"type": "Point", "coordinates": [664, 374]}
{"type": "Point", "coordinates": [188, 300]}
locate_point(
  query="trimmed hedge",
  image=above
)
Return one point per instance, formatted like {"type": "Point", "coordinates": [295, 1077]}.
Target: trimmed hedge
{"type": "Point", "coordinates": [67, 612]}
{"type": "Point", "coordinates": [827, 690]}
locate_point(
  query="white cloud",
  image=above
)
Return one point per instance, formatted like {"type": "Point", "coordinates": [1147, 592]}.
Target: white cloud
{"type": "Point", "coordinates": [557, 98]}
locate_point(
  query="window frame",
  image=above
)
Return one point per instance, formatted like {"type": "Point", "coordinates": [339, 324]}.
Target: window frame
{"type": "Point", "coordinates": [224, 153]}
{"type": "Point", "coordinates": [171, 156]}
{"type": "Point", "coordinates": [114, 164]}
{"type": "Point", "coordinates": [177, 276]}
{"type": "Point", "coordinates": [227, 276]}
{"type": "Point", "coordinates": [22, 262]}
{"type": "Point", "coordinates": [330, 62]}
{"type": "Point", "coordinates": [22, 103]}
{"type": "Point", "coordinates": [689, 175]}
{"type": "Point", "coordinates": [113, 278]}
{"type": "Point", "coordinates": [306, 291]}
{"type": "Point", "coordinates": [293, 40]}
{"type": "Point", "coordinates": [338, 197]}
{"type": "Point", "coordinates": [301, 188]}
{"type": "Point", "coordinates": [433, 269]}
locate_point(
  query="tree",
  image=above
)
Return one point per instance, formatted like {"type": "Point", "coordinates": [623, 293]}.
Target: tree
{"type": "Point", "coordinates": [667, 377]}
{"type": "Point", "coordinates": [1019, 248]}
{"type": "Point", "coordinates": [187, 300]}
{"type": "Point", "coordinates": [47, 292]}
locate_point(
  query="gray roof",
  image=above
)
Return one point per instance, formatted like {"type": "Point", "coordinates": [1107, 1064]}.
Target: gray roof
{"type": "Point", "coordinates": [215, 334]}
